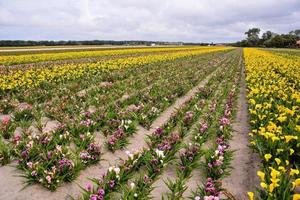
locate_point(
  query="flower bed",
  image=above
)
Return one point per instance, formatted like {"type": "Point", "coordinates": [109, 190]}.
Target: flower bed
{"type": "Point", "coordinates": [273, 84]}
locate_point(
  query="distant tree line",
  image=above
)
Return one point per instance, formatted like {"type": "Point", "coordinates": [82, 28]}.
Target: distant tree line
{"type": "Point", "coordinates": [269, 39]}
{"type": "Point", "coordinates": [18, 43]}
{"type": "Point", "coordinates": [69, 42]}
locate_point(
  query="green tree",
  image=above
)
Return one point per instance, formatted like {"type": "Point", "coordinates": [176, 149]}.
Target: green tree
{"type": "Point", "coordinates": [267, 35]}
{"type": "Point", "coordinates": [253, 32]}
{"type": "Point", "coordinates": [253, 36]}
{"type": "Point", "coordinates": [295, 32]}
{"type": "Point", "coordinates": [276, 41]}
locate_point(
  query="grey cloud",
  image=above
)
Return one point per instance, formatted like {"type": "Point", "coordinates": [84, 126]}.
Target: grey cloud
{"type": "Point", "coordinates": [169, 20]}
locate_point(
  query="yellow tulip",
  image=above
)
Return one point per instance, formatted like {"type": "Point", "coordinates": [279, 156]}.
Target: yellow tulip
{"type": "Point", "coordinates": [279, 150]}
{"type": "Point", "coordinates": [274, 173]}
{"type": "Point", "coordinates": [271, 187]}
{"type": "Point", "coordinates": [252, 101]}
{"type": "Point", "coordinates": [291, 151]}
{"type": "Point", "coordinates": [278, 161]}
{"type": "Point", "coordinates": [294, 171]}
{"type": "Point", "coordinates": [297, 128]}
{"type": "Point", "coordinates": [261, 175]}
{"type": "Point", "coordinates": [290, 137]}
{"type": "Point", "coordinates": [255, 90]}
{"type": "Point", "coordinates": [281, 168]}
{"type": "Point", "coordinates": [296, 197]}
{"type": "Point", "coordinates": [274, 138]}
{"type": "Point", "coordinates": [263, 185]}
{"type": "Point", "coordinates": [251, 195]}
{"type": "Point", "coordinates": [296, 183]}
{"type": "Point", "coordinates": [268, 157]}
{"type": "Point", "coordinates": [282, 118]}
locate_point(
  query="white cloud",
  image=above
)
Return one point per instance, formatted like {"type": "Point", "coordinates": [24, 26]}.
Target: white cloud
{"type": "Point", "coordinates": [169, 20]}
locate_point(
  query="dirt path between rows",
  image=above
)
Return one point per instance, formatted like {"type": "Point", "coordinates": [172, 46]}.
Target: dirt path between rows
{"type": "Point", "coordinates": [243, 176]}
{"type": "Point", "coordinates": [11, 185]}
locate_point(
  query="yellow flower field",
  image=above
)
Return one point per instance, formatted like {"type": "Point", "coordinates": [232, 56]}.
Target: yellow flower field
{"type": "Point", "coordinates": [274, 100]}
{"type": "Point", "coordinates": [35, 76]}
{"type": "Point", "coordinates": [31, 58]}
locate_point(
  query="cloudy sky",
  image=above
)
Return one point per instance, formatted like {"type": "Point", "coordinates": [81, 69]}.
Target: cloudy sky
{"type": "Point", "coordinates": [164, 20]}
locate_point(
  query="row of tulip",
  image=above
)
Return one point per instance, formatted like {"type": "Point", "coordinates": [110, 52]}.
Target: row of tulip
{"type": "Point", "coordinates": [274, 99]}
{"type": "Point", "coordinates": [34, 77]}
{"type": "Point", "coordinates": [66, 55]}
{"type": "Point", "coordinates": [217, 157]}
{"type": "Point", "coordinates": [188, 118]}
{"type": "Point", "coordinates": [169, 84]}
{"type": "Point", "coordinates": [52, 156]}
{"type": "Point", "coordinates": [146, 116]}
{"type": "Point", "coordinates": [118, 181]}
{"type": "Point", "coordinates": [121, 82]}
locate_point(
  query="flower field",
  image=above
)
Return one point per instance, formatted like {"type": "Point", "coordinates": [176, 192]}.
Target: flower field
{"type": "Point", "coordinates": [34, 77]}
{"type": "Point", "coordinates": [39, 57]}
{"type": "Point", "coordinates": [147, 123]}
{"type": "Point", "coordinates": [274, 97]}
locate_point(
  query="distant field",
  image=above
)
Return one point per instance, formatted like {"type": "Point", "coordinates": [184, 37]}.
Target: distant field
{"type": "Point", "coordinates": [68, 46]}
{"type": "Point", "coordinates": [29, 56]}
{"type": "Point", "coordinates": [58, 49]}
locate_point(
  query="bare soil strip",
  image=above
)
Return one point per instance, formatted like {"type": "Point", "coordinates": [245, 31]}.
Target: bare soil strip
{"type": "Point", "coordinates": [243, 176]}
{"type": "Point", "coordinates": [11, 185]}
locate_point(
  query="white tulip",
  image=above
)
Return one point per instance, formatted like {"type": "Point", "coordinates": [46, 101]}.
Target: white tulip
{"type": "Point", "coordinates": [117, 170]}
{"type": "Point", "coordinates": [132, 185]}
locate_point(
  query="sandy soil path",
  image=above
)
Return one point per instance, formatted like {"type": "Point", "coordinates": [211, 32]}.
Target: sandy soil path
{"type": "Point", "coordinates": [243, 176]}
